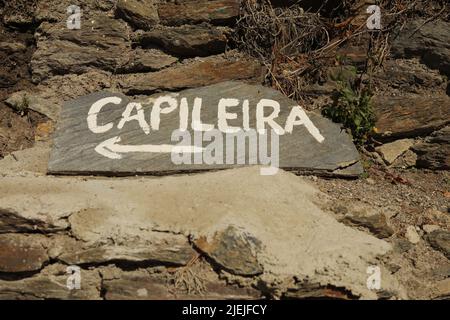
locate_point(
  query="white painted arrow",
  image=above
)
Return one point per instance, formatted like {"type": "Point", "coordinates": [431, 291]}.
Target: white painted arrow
{"type": "Point", "coordinates": [112, 149]}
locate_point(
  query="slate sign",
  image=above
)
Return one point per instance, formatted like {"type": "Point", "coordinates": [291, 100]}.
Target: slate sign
{"type": "Point", "coordinates": [108, 134]}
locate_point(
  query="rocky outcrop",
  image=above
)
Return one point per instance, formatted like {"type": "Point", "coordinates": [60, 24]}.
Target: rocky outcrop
{"type": "Point", "coordinates": [203, 283]}
{"type": "Point", "coordinates": [127, 220]}
{"type": "Point", "coordinates": [215, 11]}
{"type": "Point", "coordinates": [21, 221]}
{"type": "Point", "coordinates": [22, 101]}
{"type": "Point", "coordinates": [411, 115]}
{"type": "Point", "coordinates": [51, 283]}
{"type": "Point", "coordinates": [364, 217]}
{"type": "Point", "coordinates": [408, 75]}
{"type": "Point", "coordinates": [140, 60]}
{"type": "Point", "coordinates": [429, 41]}
{"type": "Point", "coordinates": [435, 152]}
{"type": "Point", "coordinates": [19, 13]}
{"type": "Point", "coordinates": [15, 55]}
{"type": "Point", "coordinates": [22, 253]}
{"type": "Point", "coordinates": [195, 73]}
{"type": "Point", "coordinates": [164, 249]}
{"type": "Point", "coordinates": [141, 14]}
{"type": "Point", "coordinates": [391, 151]}
{"type": "Point", "coordinates": [100, 44]}
{"type": "Point", "coordinates": [187, 41]}
{"type": "Point", "coordinates": [440, 240]}
{"type": "Point", "coordinates": [55, 11]}
{"type": "Point", "coordinates": [376, 223]}
{"type": "Point", "coordinates": [233, 250]}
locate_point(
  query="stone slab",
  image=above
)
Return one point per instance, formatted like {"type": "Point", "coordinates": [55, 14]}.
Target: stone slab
{"type": "Point", "coordinates": [77, 150]}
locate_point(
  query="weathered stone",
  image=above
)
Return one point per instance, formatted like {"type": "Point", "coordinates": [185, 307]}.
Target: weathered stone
{"type": "Point", "coordinates": [407, 160]}
{"type": "Point", "coordinates": [233, 250]}
{"type": "Point", "coordinates": [100, 44]}
{"type": "Point", "coordinates": [391, 151]}
{"type": "Point", "coordinates": [62, 57]}
{"type": "Point", "coordinates": [442, 290]}
{"type": "Point", "coordinates": [353, 55]}
{"type": "Point", "coordinates": [56, 10]}
{"type": "Point", "coordinates": [15, 55]}
{"type": "Point", "coordinates": [51, 10]}
{"type": "Point", "coordinates": [412, 235]}
{"type": "Point", "coordinates": [376, 224]}
{"type": "Point", "coordinates": [402, 245]}
{"type": "Point", "coordinates": [24, 100]}
{"type": "Point", "coordinates": [408, 76]}
{"type": "Point", "coordinates": [141, 60]}
{"type": "Point", "coordinates": [410, 115]}
{"type": "Point", "coordinates": [51, 283]}
{"type": "Point", "coordinates": [196, 73]}
{"type": "Point", "coordinates": [18, 13]}
{"type": "Point", "coordinates": [77, 150]}
{"type": "Point", "coordinates": [167, 249]}
{"type": "Point", "coordinates": [12, 47]}
{"type": "Point", "coordinates": [20, 253]}
{"type": "Point", "coordinates": [428, 228]}
{"type": "Point", "coordinates": [44, 130]}
{"type": "Point", "coordinates": [48, 97]}
{"type": "Point", "coordinates": [317, 291]}
{"type": "Point", "coordinates": [435, 152]}
{"type": "Point", "coordinates": [30, 160]}
{"type": "Point", "coordinates": [13, 221]}
{"type": "Point", "coordinates": [283, 216]}
{"type": "Point", "coordinates": [144, 286]}
{"type": "Point", "coordinates": [141, 14]}
{"type": "Point", "coordinates": [358, 214]}
{"type": "Point", "coordinates": [18, 213]}
{"type": "Point", "coordinates": [215, 11]}
{"type": "Point", "coordinates": [440, 240]}
{"type": "Point", "coordinates": [60, 243]}
{"type": "Point", "coordinates": [58, 89]}
{"type": "Point", "coordinates": [187, 41]}
{"type": "Point", "coordinates": [428, 41]}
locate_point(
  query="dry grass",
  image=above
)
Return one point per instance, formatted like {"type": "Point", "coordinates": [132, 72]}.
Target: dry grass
{"type": "Point", "coordinates": [298, 46]}
{"type": "Point", "coordinates": [189, 279]}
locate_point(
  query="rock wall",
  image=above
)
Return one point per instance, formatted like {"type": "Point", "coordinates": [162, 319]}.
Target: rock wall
{"type": "Point", "coordinates": [179, 237]}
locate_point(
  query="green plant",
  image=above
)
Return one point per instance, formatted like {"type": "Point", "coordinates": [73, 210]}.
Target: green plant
{"type": "Point", "coordinates": [23, 104]}
{"type": "Point", "coordinates": [352, 108]}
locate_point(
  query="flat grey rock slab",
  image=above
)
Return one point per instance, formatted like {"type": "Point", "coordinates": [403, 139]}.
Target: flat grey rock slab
{"type": "Point", "coordinates": [323, 147]}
